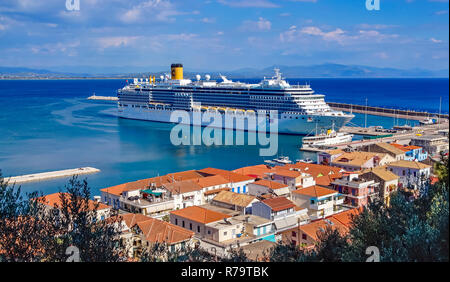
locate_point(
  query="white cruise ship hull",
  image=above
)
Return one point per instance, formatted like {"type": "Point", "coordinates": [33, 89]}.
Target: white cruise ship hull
{"type": "Point", "coordinates": [287, 124]}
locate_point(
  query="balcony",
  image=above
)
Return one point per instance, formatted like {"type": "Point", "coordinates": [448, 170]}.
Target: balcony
{"type": "Point", "coordinates": [146, 206]}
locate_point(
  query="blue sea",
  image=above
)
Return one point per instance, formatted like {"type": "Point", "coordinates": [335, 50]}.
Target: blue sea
{"type": "Point", "coordinates": [49, 125]}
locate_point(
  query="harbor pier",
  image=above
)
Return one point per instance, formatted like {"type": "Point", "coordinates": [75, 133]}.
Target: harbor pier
{"type": "Point", "coordinates": [52, 175]}
{"type": "Point", "coordinates": [103, 98]}
{"type": "Point", "coordinates": [387, 112]}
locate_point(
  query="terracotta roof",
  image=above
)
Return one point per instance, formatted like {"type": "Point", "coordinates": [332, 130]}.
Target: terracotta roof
{"type": "Point", "coordinates": [345, 217]}
{"type": "Point", "coordinates": [210, 181]}
{"type": "Point", "coordinates": [382, 173]}
{"type": "Point", "coordinates": [232, 198]}
{"type": "Point", "coordinates": [405, 148]}
{"type": "Point", "coordinates": [325, 180]}
{"type": "Point", "coordinates": [158, 231]}
{"type": "Point", "coordinates": [132, 219]}
{"type": "Point", "coordinates": [334, 152]}
{"type": "Point", "coordinates": [315, 191]}
{"type": "Point", "coordinates": [317, 170]}
{"type": "Point", "coordinates": [55, 199]}
{"type": "Point", "coordinates": [279, 203]}
{"type": "Point", "coordinates": [199, 214]}
{"type": "Point", "coordinates": [216, 191]}
{"type": "Point", "coordinates": [401, 147]}
{"type": "Point", "coordinates": [158, 181]}
{"type": "Point", "coordinates": [312, 229]}
{"type": "Point", "coordinates": [256, 171]}
{"type": "Point", "coordinates": [388, 147]}
{"type": "Point", "coordinates": [408, 164]}
{"type": "Point", "coordinates": [228, 175]}
{"type": "Point", "coordinates": [356, 158]}
{"type": "Point", "coordinates": [286, 172]}
{"type": "Point", "coordinates": [270, 184]}
{"type": "Point", "coordinates": [182, 187]}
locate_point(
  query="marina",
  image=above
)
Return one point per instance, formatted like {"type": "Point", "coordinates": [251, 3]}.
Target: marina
{"type": "Point", "coordinates": [51, 175]}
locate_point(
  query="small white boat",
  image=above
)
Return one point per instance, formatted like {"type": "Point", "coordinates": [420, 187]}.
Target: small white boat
{"type": "Point", "coordinates": [331, 137]}
{"type": "Point", "coordinates": [307, 160]}
{"type": "Point", "coordinates": [282, 160]}
{"type": "Point", "coordinates": [427, 121]}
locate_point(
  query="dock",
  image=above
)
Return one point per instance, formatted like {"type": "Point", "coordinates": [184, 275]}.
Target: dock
{"type": "Point", "coordinates": [52, 175]}
{"type": "Point", "coordinates": [387, 112]}
{"type": "Point", "coordinates": [103, 98]}
{"type": "Point", "coordinates": [402, 136]}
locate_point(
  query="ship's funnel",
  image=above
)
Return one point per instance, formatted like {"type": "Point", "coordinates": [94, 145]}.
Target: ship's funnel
{"type": "Point", "coordinates": [177, 71]}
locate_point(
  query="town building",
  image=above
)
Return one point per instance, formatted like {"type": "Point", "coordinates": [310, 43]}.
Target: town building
{"type": "Point", "coordinates": [265, 186]}
{"type": "Point", "coordinates": [385, 148]}
{"type": "Point", "coordinates": [433, 144]}
{"type": "Point", "coordinates": [195, 218]}
{"type": "Point", "coordinates": [284, 213]}
{"type": "Point", "coordinates": [54, 201]}
{"type": "Point", "coordinates": [328, 156]}
{"type": "Point", "coordinates": [412, 174]}
{"type": "Point", "coordinates": [357, 191]}
{"type": "Point", "coordinates": [355, 161]}
{"type": "Point", "coordinates": [387, 179]}
{"type": "Point", "coordinates": [140, 232]}
{"type": "Point", "coordinates": [237, 182]}
{"type": "Point", "coordinates": [412, 153]}
{"type": "Point", "coordinates": [319, 201]}
{"type": "Point", "coordinates": [234, 201]}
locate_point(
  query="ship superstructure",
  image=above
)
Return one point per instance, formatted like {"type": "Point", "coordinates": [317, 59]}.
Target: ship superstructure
{"type": "Point", "coordinates": [299, 109]}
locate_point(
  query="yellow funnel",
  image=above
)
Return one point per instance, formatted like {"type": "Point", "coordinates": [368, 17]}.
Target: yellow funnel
{"type": "Point", "coordinates": [177, 71]}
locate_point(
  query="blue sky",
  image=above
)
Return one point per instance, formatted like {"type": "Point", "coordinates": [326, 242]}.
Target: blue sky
{"type": "Point", "coordinates": [224, 34]}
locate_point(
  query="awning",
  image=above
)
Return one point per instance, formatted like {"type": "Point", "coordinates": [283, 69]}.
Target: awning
{"type": "Point", "coordinates": [148, 191]}
{"type": "Point", "coordinates": [303, 217]}
{"type": "Point", "coordinates": [285, 222]}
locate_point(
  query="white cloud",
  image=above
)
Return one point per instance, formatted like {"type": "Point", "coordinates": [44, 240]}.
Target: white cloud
{"type": "Point", "coordinates": [249, 3]}
{"type": "Point", "coordinates": [434, 40]}
{"type": "Point", "coordinates": [260, 25]}
{"type": "Point", "coordinates": [157, 10]}
{"type": "Point", "coordinates": [337, 35]}
{"type": "Point", "coordinates": [208, 20]}
{"type": "Point", "coordinates": [116, 41]}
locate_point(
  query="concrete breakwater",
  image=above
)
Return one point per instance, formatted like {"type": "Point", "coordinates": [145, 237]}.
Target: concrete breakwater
{"type": "Point", "coordinates": [52, 174]}
{"type": "Point", "coordinates": [104, 98]}
{"type": "Point", "coordinates": [379, 111]}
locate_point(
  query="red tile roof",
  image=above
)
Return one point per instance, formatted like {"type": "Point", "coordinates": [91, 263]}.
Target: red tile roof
{"type": "Point", "coordinates": [229, 175]}
{"type": "Point", "coordinates": [54, 199]}
{"type": "Point", "coordinates": [270, 184]}
{"type": "Point", "coordinates": [158, 231]}
{"type": "Point", "coordinates": [315, 191]}
{"type": "Point", "coordinates": [279, 203]}
{"type": "Point", "coordinates": [200, 214]}
{"type": "Point", "coordinates": [158, 181]}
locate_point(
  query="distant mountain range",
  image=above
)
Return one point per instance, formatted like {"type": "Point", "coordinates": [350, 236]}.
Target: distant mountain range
{"type": "Point", "coordinates": [312, 71]}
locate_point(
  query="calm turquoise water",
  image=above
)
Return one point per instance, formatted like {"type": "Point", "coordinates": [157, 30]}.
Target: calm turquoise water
{"type": "Point", "coordinates": [49, 125]}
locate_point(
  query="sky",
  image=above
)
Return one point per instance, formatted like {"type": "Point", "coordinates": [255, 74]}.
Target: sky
{"type": "Point", "coordinates": [224, 34]}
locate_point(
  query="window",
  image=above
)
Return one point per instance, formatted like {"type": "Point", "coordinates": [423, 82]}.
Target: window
{"type": "Point", "coordinates": [403, 172]}
{"type": "Point", "coordinates": [190, 226]}
{"type": "Point", "coordinates": [209, 231]}
{"type": "Point", "coordinates": [312, 202]}
{"type": "Point", "coordinates": [198, 229]}
{"type": "Point", "coordinates": [182, 223]}
{"type": "Point", "coordinates": [176, 221]}
{"type": "Point", "coordinates": [224, 233]}
{"type": "Point", "coordinates": [304, 236]}
{"type": "Point", "coordinates": [294, 234]}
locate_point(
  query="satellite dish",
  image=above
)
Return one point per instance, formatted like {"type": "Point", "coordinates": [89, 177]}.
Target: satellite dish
{"type": "Point", "coordinates": [198, 77]}
{"type": "Point", "coordinates": [208, 77]}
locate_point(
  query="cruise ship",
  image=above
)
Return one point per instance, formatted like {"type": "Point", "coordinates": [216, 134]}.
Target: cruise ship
{"type": "Point", "coordinates": [299, 109]}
